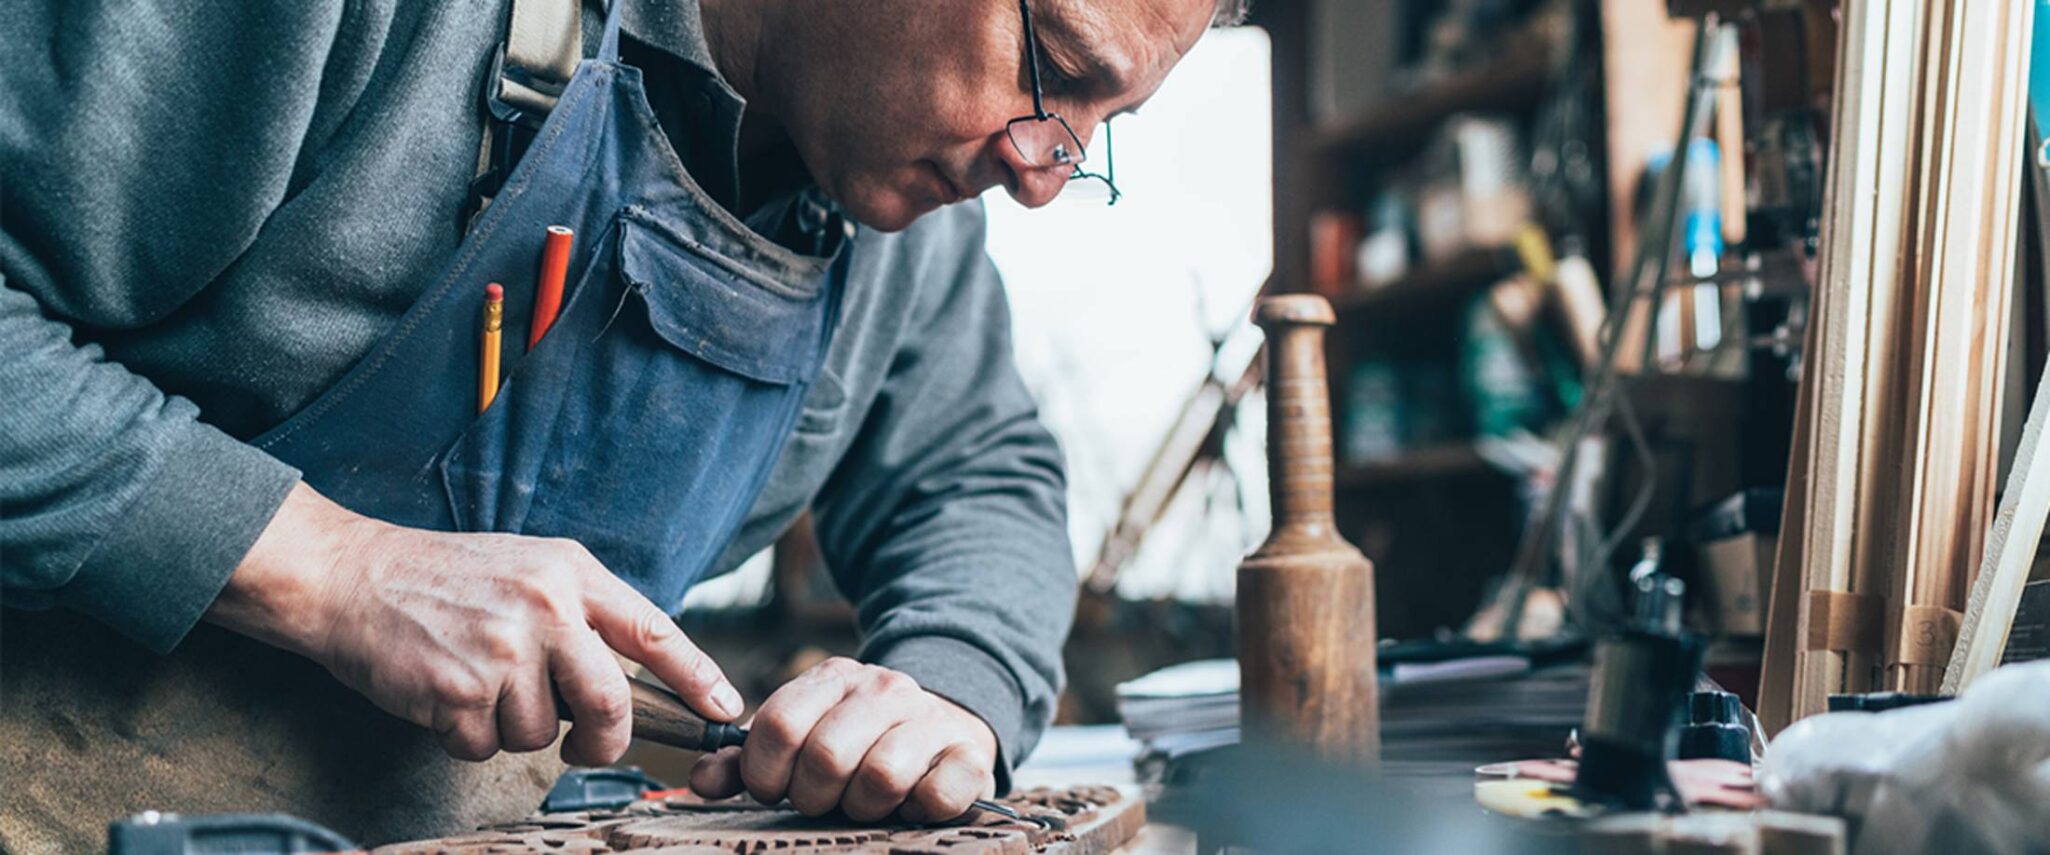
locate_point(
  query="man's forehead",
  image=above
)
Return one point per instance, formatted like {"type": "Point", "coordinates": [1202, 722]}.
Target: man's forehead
{"type": "Point", "coordinates": [1127, 34]}
{"type": "Point", "coordinates": [1181, 20]}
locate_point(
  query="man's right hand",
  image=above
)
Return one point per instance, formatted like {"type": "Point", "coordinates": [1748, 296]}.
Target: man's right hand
{"type": "Point", "coordinates": [472, 635]}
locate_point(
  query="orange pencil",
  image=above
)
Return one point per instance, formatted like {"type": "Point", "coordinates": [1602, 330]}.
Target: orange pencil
{"type": "Point", "coordinates": [487, 369]}
{"type": "Point", "coordinates": [548, 292]}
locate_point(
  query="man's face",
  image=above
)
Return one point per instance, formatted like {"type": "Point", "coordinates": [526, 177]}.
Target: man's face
{"type": "Point", "coordinates": [900, 106]}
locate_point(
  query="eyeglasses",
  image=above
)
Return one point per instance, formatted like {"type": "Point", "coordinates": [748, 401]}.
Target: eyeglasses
{"type": "Point", "coordinates": [1046, 140]}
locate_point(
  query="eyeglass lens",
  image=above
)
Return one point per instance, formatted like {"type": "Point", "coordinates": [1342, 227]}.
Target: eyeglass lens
{"type": "Point", "coordinates": [1046, 142]}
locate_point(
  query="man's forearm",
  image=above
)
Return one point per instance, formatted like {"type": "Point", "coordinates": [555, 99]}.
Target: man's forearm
{"type": "Point", "coordinates": [947, 521]}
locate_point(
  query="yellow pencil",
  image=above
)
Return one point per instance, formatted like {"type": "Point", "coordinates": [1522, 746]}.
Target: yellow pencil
{"type": "Point", "coordinates": [494, 323]}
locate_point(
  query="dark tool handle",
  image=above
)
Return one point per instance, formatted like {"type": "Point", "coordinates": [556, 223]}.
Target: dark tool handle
{"type": "Point", "coordinates": [660, 716]}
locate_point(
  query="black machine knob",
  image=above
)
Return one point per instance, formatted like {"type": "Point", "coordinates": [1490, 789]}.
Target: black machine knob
{"type": "Point", "coordinates": [1715, 728]}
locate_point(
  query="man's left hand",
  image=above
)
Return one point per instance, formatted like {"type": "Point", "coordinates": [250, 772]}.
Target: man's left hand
{"type": "Point", "coordinates": [861, 738]}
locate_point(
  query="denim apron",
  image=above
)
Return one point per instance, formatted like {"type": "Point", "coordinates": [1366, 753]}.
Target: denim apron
{"type": "Point", "coordinates": [646, 421]}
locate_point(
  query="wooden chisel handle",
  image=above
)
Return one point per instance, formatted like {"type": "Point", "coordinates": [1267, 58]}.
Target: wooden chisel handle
{"type": "Point", "coordinates": [660, 716]}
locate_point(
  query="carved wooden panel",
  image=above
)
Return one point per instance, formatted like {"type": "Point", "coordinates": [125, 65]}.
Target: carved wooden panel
{"type": "Point", "coordinates": [1097, 821]}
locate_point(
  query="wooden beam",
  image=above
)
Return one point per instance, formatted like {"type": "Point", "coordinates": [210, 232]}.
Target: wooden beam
{"type": "Point", "coordinates": [1973, 90]}
{"type": "Point", "coordinates": [1783, 604]}
{"type": "Point", "coordinates": [1872, 561]}
{"type": "Point", "coordinates": [1864, 222]}
{"type": "Point", "coordinates": [2010, 550]}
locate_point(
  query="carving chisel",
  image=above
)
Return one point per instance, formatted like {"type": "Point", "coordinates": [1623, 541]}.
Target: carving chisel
{"type": "Point", "coordinates": [662, 717]}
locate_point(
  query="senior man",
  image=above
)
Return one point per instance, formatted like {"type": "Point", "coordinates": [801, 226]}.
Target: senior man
{"type": "Point", "coordinates": [245, 247]}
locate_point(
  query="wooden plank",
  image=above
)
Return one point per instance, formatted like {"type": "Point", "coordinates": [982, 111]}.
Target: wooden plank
{"type": "Point", "coordinates": [2010, 552]}
{"type": "Point", "coordinates": [1864, 221]}
{"type": "Point", "coordinates": [1792, 682]}
{"type": "Point", "coordinates": [2001, 585]}
{"type": "Point", "coordinates": [1783, 604]}
{"type": "Point", "coordinates": [2000, 250]}
{"type": "Point", "coordinates": [1729, 137]}
{"type": "Point", "coordinates": [1873, 561]}
{"type": "Point", "coordinates": [1988, 60]}
{"type": "Point", "coordinates": [1933, 444]}
{"type": "Point", "coordinates": [1963, 266]}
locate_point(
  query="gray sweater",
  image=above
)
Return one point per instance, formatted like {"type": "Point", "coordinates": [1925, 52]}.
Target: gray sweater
{"type": "Point", "coordinates": [210, 209]}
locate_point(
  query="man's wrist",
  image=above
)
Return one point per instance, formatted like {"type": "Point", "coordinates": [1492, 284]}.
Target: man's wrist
{"type": "Point", "coordinates": [985, 736]}
{"type": "Point", "coordinates": [279, 592]}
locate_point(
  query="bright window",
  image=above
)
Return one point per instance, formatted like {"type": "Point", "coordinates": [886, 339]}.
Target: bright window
{"type": "Point", "coordinates": [1114, 308]}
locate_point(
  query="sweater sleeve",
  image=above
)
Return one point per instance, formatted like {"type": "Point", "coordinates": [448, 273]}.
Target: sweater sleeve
{"type": "Point", "coordinates": [115, 500]}
{"type": "Point", "coordinates": [142, 147]}
{"type": "Point", "coordinates": [946, 521]}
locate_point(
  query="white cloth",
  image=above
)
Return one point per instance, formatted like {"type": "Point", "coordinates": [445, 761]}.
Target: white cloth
{"type": "Point", "coordinates": [1965, 776]}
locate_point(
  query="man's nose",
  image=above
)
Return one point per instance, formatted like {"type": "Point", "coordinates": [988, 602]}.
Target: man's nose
{"type": "Point", "coordinates": [1032, 185]}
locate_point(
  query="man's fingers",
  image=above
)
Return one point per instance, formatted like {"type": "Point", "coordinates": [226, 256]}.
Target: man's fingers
{"type": "Point", "coordinates": [893, 766]}
{"type": "Point", "coordinates": [785, 722]}
{"type": "Point", "coordinates": [526, 712]}
{"type": "Point", "coordinates": [641, 632]}
{"type": "Point", "coordinates": [468, 732]}
{"type": "Point", "coordinates": [834, 750]}
{"type": "Point", "coordinates": [717, 775]}
{"type": "Point", "coordinates": [960, 776]}
{"type": "Point", "coordinates": [594, 688]}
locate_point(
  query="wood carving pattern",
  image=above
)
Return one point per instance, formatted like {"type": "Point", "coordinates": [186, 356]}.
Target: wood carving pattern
{"type": "Point", "coordinates": [757, 831]}
{"type": "Point", "coordinates": [1099, 819]}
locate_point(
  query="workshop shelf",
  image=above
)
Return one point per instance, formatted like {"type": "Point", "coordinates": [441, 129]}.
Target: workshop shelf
{"type": "Point", "coordinates": [1513, 80]}
{"type": "Point", "coordinates": [1444, 284]}
{"type": "Point", "coordinates": [1424, 462]}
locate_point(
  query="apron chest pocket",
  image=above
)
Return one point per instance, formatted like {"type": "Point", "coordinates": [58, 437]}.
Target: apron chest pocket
{"type": "Point", "coordinates": [643, 422]}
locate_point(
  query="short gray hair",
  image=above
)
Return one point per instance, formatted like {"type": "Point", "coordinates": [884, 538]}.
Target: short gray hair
{"type": "Point", "coordinates": [1230, 13]}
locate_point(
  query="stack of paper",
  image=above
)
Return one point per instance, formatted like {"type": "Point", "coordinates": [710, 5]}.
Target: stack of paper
{"type": "Point", "coordinates": [1436, 727]}
{"type": "Point", "coordinates": [1470, 707]}
{"type": "Point", "coordinates": [1182, 709]}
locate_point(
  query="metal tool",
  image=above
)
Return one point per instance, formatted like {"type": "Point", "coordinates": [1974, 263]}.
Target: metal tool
{"type": "Point", "coordinates": [660, 716]}
{"type": "Point", "coordinates": [1050, 823]}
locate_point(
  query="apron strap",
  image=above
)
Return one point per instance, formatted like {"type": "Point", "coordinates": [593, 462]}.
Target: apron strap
{"type": "Point", "coordinates": [543, 44]}
{"type": "Point", "coordinates": [544, 41]}
{"type": "Point", "coordinates": [608, 50]}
